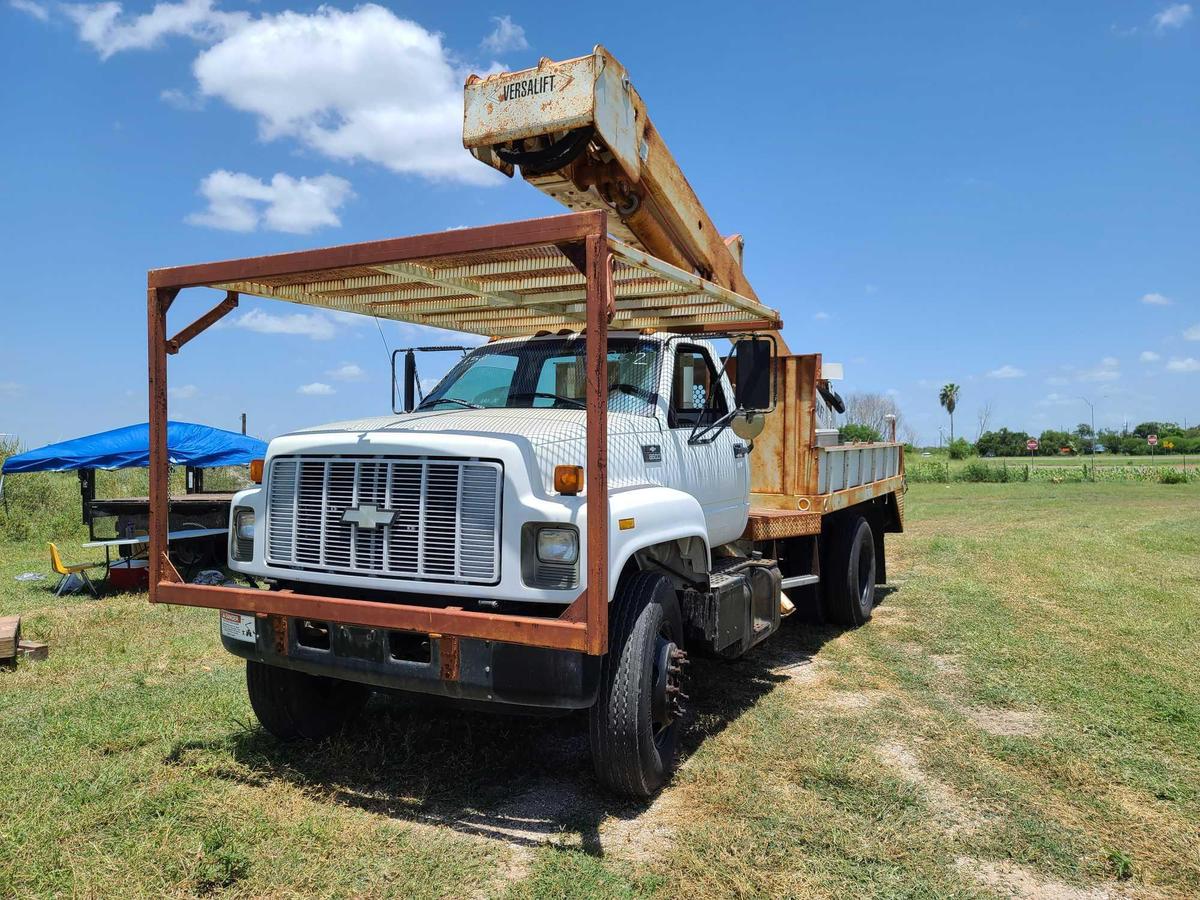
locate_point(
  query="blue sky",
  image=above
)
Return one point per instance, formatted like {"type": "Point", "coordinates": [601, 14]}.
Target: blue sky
{"type": "Point", "coordinates": [1003, 195]}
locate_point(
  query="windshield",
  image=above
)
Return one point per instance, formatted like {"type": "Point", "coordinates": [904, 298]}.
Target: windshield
{"type": "Point", "coordinates": [549, 374]}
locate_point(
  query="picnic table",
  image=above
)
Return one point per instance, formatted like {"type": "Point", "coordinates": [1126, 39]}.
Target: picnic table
{"type": "Point", "coordinates": [184, 534]}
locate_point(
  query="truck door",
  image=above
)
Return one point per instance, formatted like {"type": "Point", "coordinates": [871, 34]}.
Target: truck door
{"type": "Point", "coordinates": [713, 470]}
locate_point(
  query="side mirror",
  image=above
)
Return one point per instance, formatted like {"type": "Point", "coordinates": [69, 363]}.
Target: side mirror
{"type": "Point", "coordinates": [748, 424]}
{"type": "Point", "coordinates": [410, 381]}
{"type": "Point", "coordinates": [754, 374]}
{"type": "Point", "coordinates": [408, 398]}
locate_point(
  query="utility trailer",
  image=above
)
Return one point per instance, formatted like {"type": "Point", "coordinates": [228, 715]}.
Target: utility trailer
{"type": "Point", "coordinates": [578, 505]}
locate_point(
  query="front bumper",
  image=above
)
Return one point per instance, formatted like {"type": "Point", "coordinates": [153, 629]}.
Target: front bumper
{"type": "Point", "coordinates": [510, 675]}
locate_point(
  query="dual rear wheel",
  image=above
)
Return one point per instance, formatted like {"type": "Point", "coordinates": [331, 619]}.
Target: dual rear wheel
{"type": "Point", "coordinates": [848, 571]}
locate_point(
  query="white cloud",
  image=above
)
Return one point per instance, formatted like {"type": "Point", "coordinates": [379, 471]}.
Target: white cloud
{"type": "Point", "coordinates": [1149, 356]}
{"type": "Point", "coordinates": [241, 202]}
{"type": "Point", "coordinates": [1186, 364]}
{"type": "Point", "coordinates": [1006, 371]}
{"type": "Point", "coordinates": [11, 389]}
{"type": "Point", "coordinates": [870, 288]}
{"type": "Point", "coordinates": [181, 99]}
{"type": "Point", "coordinates": [1171, 17]}
{"type": "Point", "coordinates": [352, 85]}
{"type": "Point", "coordinates": [183, 392]}
{"type": "Point", "coordinates": [109, 30]}
{"type": "Point", "coordinates": [1193, 333]}
{"type": "Point", "coordinates": [821, 316]}
{"type": "Point", "coordinates": [1107, 370]}
{"type": "Point", "coordinates": [1056, 399]}
{"type": "Point", "coordinates": [30, 8]}
{"type": "Point", "coordinates": [1156, 300]}
{"type": "Point", "coordinates": [507, 35]}
{"type": "Point", "coordinates": [318, 326]}
{"type": "Point", "coordinates": [347, 372]}
{"type": "Point", "coordinates": [1057, 380]}
{"type": "Point", "coordinates": [316, 389]}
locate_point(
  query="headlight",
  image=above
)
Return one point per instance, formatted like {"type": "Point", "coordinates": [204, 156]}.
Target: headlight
{"type": "Point", "coordinates": [558, 545]}
{"type": "Point", "coordinates": [243, 524]}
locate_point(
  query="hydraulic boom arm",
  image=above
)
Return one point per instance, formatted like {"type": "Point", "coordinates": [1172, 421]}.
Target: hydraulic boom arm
{"type": "Point", "coordinates": [579, 131]}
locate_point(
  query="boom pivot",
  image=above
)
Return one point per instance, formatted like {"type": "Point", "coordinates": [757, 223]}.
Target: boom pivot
{"type": "Point", "coordinates": [579, 131]}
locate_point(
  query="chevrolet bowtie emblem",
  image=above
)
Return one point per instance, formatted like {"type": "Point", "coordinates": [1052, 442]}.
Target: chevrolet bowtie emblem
{"type": "Point", "coordinates": [368, 515]}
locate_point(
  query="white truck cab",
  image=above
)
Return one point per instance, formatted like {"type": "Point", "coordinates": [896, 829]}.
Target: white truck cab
{"type": "Point", "coordinates": [459, 498]}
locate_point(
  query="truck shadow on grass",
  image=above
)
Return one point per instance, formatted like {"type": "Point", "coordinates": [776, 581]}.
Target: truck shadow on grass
{"type": "Point", "coordinates": [519, 780]}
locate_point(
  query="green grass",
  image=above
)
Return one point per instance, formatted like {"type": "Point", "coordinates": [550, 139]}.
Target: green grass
{"type": "Point", "coordinates": [1118, 460]}
{"type": "Point", "coordinates": [1024, 705]}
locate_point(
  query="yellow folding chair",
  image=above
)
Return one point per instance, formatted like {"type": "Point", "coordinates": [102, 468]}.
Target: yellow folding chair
{"type": "Point", "coordinates": [66, 571]}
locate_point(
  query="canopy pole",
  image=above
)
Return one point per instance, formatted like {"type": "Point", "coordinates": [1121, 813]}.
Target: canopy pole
{"type": "Point", "coordinates": [598, 265]}
{"type": "Point", "coordinates": [157, 302]}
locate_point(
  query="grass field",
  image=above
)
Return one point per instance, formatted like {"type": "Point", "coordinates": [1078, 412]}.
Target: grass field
{"type": "Point", "coordinates": [1102, 459]}
{"type": "Point", "coordinates": [1021, 718]}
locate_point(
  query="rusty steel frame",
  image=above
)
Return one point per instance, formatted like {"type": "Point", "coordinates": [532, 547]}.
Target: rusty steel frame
{"type": "Point", "coordinates": [583, 625]}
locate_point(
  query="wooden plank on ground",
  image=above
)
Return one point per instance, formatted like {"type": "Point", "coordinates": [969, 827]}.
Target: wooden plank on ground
{"type": "Point", "coordinates": [10, 636]}
{"type": "Point", "coordinates": [34, 649]}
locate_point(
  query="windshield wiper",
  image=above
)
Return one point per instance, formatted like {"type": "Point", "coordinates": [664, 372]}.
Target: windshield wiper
{"type": "Point", "coordinates": [466, 403]}
{"type": "Point", "coordinates": [548, 396]}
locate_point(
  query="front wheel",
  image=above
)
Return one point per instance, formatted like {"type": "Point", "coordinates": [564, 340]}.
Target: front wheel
{"type": "Point", "coordinates": [634, 724]}
{"type": "Point", "coordinates": [295, 705]}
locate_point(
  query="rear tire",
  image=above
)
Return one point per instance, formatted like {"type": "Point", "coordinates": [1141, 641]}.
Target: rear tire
{"type": "Point", "coordinates": [848, 572]}
{"type": "Point", "coordinates": [634, 724]}
{"type": "Point", "coordinates": [297, 706]}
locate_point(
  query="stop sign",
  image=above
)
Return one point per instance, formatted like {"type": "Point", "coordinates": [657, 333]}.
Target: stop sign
{"type": "Point", "coordinates": [1031, 444]}
{"type": "Point", "coordinates": [1152, 439]}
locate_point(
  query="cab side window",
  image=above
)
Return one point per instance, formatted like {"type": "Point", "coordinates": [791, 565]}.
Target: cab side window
{"type": "Point", "coordinates": [696, 394]}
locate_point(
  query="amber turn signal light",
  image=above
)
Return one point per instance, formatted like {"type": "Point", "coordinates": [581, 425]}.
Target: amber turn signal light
{"type": "Point", "coordinates": [568, 479]}
{"type": "Point", "coordinates": [256, 470]}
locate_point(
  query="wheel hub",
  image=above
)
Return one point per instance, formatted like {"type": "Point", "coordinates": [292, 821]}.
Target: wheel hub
{"type": "Point", "coordinates": [668, 699]}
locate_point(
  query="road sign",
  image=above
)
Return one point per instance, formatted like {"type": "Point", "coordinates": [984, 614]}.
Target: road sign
{"type": "Point", "coordinates": [1031, 444]}
{"type": "Point", "coordinates": [1152, 439]}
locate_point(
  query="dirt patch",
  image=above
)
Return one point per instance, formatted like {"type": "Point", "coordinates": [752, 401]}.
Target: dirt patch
{"type": "Point", "coordinates": [549, 812]}
{"type": "Point", "coordinates": [853, 701]}
{"type": "Point", "coordinates": [644, 835]}
{"type": "Point", "coordinates": [945, 664]}
{"type": "Point", "coordinates": [1005, 722]}
{"type": "Point", "coordinates": [891, 613]}
{"type": "Point", "coordinates": [952, 811]}
{"type": "Point", "coordinates": [806, 671]}
{"type": "Point", "coordinates": [1009, 880]}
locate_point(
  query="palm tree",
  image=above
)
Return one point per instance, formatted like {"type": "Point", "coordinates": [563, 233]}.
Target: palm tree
{"type": "Point", "coordinates": [949, 399]}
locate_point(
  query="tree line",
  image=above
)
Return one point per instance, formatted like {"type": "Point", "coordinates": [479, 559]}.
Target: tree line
{"type": "Point", "coordinates": [1172, 438]}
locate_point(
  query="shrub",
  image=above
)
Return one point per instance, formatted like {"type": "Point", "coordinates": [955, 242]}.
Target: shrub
{"type": "Point", "coordinates": [1171, 475]}
{"type": "Point", "coordinates": [853, 432]}
{"type": "Point", "coordinates": [960, 449]}
{"type": "Point", "coordinates": [1002, 443]}
{"type": "Point", "coordinates": [927, 471]}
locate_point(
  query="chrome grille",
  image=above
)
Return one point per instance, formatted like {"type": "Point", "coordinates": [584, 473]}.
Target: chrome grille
{"type": "Point", "coordinates": [445, 517]}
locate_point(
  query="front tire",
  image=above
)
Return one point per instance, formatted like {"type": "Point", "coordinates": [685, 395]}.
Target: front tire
{"type": "Point", "coordinates": [635, 722]}
{"type": "Point", "coordinates": [297, 706]}
{"type": "Point", "coordinates": [848, 572]}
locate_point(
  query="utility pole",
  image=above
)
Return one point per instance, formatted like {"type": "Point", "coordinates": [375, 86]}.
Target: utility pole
{"type": "Point", "coordinates": [243, 423]}
{"type": "Point", "coordinates": [1093, 411]}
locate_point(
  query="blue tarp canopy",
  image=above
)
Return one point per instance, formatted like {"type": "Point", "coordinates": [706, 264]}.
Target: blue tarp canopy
{"type": "Point", "coordinates": [129, 447]}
